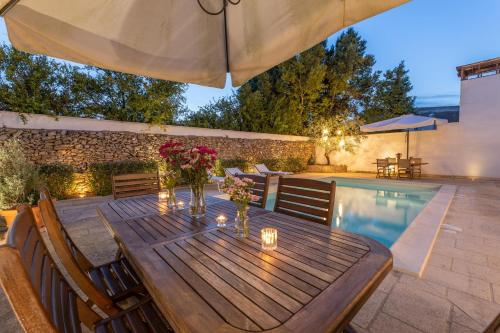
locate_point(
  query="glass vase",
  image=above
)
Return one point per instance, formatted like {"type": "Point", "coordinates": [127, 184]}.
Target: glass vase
{"type": "Point", "coordinates": [197, 206]}
{"type": "Point", "coordinates": [242, 222]}
{"type": "Point", "coordinates": [171, 199]}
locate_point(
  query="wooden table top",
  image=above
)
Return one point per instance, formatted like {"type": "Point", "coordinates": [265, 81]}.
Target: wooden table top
{"type": "Point", "coordinates": [208, 280]}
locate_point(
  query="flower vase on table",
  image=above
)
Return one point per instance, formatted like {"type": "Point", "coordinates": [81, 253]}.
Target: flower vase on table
{"type": "Point", "coordinates": [168, 179]}
{"type": "Point", "coordinates": [240, 192]}
{"type": "Point", "coordinates": [193, 164]}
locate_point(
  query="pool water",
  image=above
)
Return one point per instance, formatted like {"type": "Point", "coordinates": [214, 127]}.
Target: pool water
{"type": "Point", "coordinates": [382, 212]}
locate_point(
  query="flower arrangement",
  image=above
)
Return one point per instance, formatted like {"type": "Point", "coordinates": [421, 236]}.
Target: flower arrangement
{"type": "Point", "coordinates": [239, 190]}
{"type": "Point", "coordinates": [193, 164]}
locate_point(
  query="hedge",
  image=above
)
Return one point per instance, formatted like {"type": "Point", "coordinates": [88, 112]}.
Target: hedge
{"type": "Point", "coordinates": [59, 179]}
{"type": "Point", "coordinates": [100, 173]}
{"type": "Point", "coordinates": [288, 164]}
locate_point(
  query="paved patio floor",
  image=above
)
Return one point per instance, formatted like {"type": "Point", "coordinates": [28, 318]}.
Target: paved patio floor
{"type": "Point", "coordinates": [459, 292]}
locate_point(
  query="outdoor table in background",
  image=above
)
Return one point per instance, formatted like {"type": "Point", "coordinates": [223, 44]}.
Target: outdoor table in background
{"type": "Point", "coordinates": [206, 279]}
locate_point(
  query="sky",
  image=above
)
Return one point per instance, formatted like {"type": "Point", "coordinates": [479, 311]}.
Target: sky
{"type": "Point", "coordinates": [433, 37]}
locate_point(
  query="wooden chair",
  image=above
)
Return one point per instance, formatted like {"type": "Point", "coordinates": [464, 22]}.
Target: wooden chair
{"type": "Point", "coordinates": [260, 189]}
{"type": "Point", "coordinates": [42, 298]}
{"type": "Point", "coordinates": [404, 168]}
{"type": "Point", "coordinates": [416, 167]}
{"type": "Point", "coordinates": [382, 167]}
{"type": "Point", "coordinates": [309, 199]}
{"type": "Point", "coordinates": [135, 184]}
{"type": "Point", "coordinates": [391, 168]}
{"type": "Point", "coordinates": [105, 284]}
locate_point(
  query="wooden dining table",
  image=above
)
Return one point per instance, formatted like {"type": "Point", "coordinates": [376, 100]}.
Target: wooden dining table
{"type": "Point", "coordinates": [206, 279]}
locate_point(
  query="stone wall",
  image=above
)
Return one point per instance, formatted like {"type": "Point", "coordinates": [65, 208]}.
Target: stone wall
{"type": "Point", "coordinates": [78, 148]}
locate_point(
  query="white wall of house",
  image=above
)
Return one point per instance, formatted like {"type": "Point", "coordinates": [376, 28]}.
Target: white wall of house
{"type": "Point", "coordinates": [36, 121]}
{"type": "Point", "coordinates": [468, 148]}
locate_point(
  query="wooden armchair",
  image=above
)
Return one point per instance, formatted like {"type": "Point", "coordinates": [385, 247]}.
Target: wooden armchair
{"type": "Point", "coordinates": [260, 189]}
{"type": "Point", "coordinates": [404, 169]}
{"type": "Point", "coordinates": [42, 298]}
{"type": "Point", "coordinates": [105, 284]}
{"type": "Point", "coordinates": [382, 167]}
{"type": "Point", "coordinates": [135, 184]}
{"type": "Point", "coordinates": [309, 199]}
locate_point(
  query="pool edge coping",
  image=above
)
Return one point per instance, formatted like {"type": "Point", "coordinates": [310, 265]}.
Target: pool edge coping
{"type": "Point", "coordinates": [412, 250]}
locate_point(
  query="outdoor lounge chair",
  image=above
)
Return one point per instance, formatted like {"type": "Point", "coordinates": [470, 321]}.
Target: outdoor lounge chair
{"type": "Point", "coordinates": [232, 171]}
{"type": "Point", "coordinates": [105, 285]}
{"type": "Point", "coordinates": [260, 189]}
{"type": "Point", "coordinates": [262, 168]}
{"type": "Point", "coordinates": [308, 199]}
{"type": "Point", "coordinates": [135, 184]}
{"type": "Point", "coordinates": [44, 301]}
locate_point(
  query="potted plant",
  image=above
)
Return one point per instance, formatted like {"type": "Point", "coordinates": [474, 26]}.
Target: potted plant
{"type": "Point", "coordinates": [18, 179]}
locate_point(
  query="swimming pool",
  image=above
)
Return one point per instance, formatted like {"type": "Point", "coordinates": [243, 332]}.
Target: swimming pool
{"type": "Point", "coordinates": [375, 209]}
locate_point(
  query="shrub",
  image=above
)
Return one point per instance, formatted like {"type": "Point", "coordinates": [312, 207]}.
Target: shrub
{"type": "Point", "coordinates": [290, 164]}
{"type": "Point", "coordinates": [59, 179]}
{"type": "Point", "coordinates": [100, 173]}
{"type": "Point", "coordinates": [242, 164]}
{"type": "Point", "coordinates": [18, 177]}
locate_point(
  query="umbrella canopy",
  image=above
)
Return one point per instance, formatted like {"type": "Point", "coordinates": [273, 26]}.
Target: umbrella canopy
{"type": "Point", "coordinates": [403, 123]}
{"type": "Point", "coordinates": [195, 41]}
{"type": "Point", "coordinates": [407, 123]}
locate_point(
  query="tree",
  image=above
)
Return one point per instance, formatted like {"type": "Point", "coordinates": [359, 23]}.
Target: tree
{"type": "Point", "coordinates": [336, 133]}
{"type": "Point", "coordinates": [222, 113]}
{"type": "Point", "coordinates": [38, 84]}
{"type": "Point", "coordinates": [392, 97]}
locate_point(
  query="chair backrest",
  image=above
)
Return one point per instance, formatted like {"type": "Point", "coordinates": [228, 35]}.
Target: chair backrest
{"type": "Point", "coordinates": [135, 184]}
{"type": "Point", "coordinates": [73, 260]}
{"type": "Point", "coordinates": [261, 168]}
{"type": "Point", "coordinates": [416, 160]}
{"type": "Point", "coordinates": [392, 160]}
{"type": "Point", "coordinates": [260, 189]}
{"type": "Point", "coordinates": [309, 199]}
{"type": "Point", "coordinates": [382, 162]}
{"type": "Point", "coordinates": [37, 291]}
{"type": "Point", "coordinates": [403, 163]}
{"type": "Point", "coordinates": [232, 171]}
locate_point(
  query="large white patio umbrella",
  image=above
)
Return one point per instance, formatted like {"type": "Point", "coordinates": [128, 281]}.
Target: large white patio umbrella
{"type": "Point", "coordinates": [407, 123]}
{"type": "Point", "coordinates": [195, 41]}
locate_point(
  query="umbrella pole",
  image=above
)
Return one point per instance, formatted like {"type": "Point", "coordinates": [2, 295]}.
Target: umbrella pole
{"type": "Point", "coordinates": [407, 144]}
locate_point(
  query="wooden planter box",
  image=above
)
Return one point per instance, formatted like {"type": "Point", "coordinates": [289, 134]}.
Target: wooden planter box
{"type": "Point", "coordinates": [326, 168]}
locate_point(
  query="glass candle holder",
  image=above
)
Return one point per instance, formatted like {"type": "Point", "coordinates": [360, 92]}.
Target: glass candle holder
{"type": "Point", "coordinates": [221, 221]}
{"type": "Point", "coordinates": [163, 196]}
{"type": "Point", "coordinates": [269, 237]}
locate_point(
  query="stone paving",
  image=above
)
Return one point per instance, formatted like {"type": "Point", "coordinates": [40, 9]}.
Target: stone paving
{"type": "Point", "coordinates": [459, 291]}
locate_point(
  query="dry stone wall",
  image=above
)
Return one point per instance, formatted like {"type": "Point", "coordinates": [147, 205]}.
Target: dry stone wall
{"type": "Point", "coordinates": [79, 148]}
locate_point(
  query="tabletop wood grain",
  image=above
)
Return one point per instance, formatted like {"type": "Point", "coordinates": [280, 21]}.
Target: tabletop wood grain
{"type": "Point", "coordinates": [206, 279]}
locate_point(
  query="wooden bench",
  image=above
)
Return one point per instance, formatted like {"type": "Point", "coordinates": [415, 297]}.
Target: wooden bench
{"type": "Point", "coordinates": [135, 184]}
{"type": "Point", "coordinates": [309, 199]}
{"type": "Point", "coordinates": [42, 298]}
{"type": "Point", "coordinates": [260, 189]}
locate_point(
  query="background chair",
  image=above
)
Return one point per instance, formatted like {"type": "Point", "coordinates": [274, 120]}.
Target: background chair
{"type": "Point", "coordinates": [260, 189]}
{"type": "Point", "coordinates": [42, 298]}
{"type": "Point", "coordinates": [404, 168]}
{"type": "Point", "coordinates": [382, 168]}
{"type": "Point", "coordinates": [135, 184]}
{"type": "Point", "coordinates": [416, 167]}
{"type": "Point", "coordinates": [312, 200]}
{"type": "Point", "coordinates": [105, 285]}
{"type": "Point", "coordinates": [262, 168]}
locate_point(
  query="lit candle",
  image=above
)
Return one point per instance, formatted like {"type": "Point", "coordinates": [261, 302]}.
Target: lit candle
{"type": "Point", "coordinates": [221, 221]}
{"type": "Point", "coordinates": [269, 237]}
{"type": "Point", "coordinates": [163, 196]}
{"type": "Point", "coordinates": [180, 204]}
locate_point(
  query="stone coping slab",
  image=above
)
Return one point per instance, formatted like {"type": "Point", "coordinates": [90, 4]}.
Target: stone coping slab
{"type": "Point", "coordinates": [413, 248]}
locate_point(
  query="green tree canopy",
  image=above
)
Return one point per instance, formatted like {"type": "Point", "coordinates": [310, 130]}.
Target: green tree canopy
{"type": "Point", "coordinates": [38, 84]}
